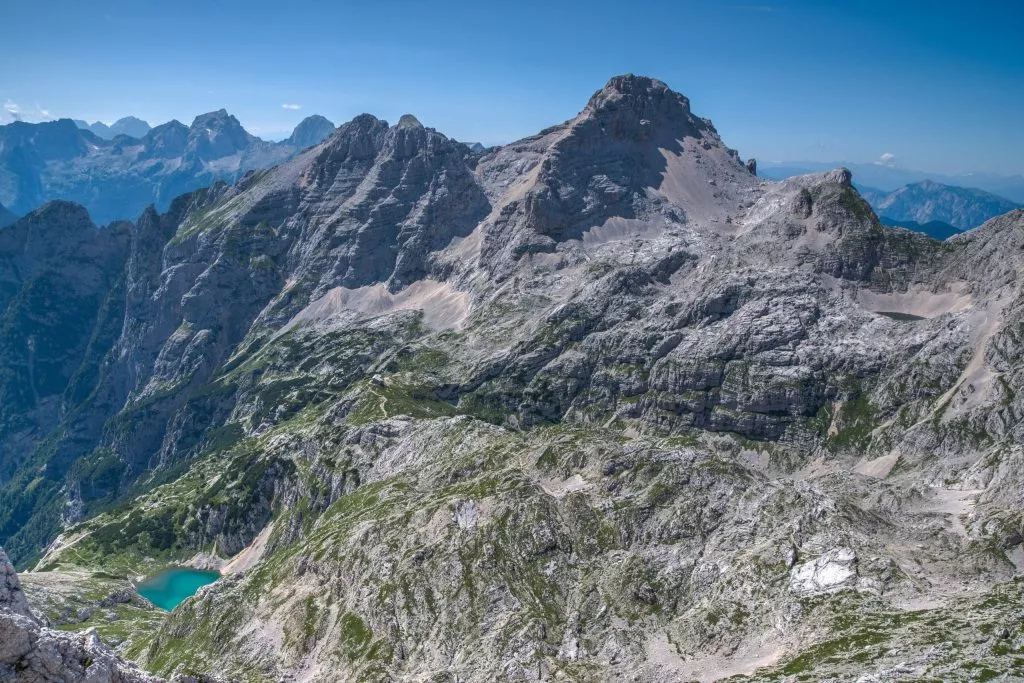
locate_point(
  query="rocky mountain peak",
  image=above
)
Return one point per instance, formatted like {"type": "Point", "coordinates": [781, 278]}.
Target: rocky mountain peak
{"type": "Point", "coordinates": [217, 134]}
{"type": "Point", "coordinates": [840, 176]}
{"type": "Point", "coordinates": [366, 137]}
{"type": "Point", "coordinates": [55, 226]}
{"type": "Point", "coordinates": [409, 138]}
{"type": "Point", "coordinates": [218, 118]}
{"type": "Point", "coordinates": [49, 141]}
{"type": "Point", "coordinates": [409, 121]}
{"type": "Point", "coordinates": [131, 126]}
{"type": "Point", "coordinates": [635, 149]}
{"type": "Point", "coordinates": [166, 140]}
{"type": "Point", "coordinates": [647, 98]}
{"type": "Point", "coordinates": [311, 131]}
{"type": "Point", "coordinates": [12, 597]}
{"type": "Point", "coordinates": [359, 138]}
{"type": "Point", "coordinates": [218, 122]}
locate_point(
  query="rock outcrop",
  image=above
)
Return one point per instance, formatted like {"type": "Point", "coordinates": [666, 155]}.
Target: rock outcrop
{"type": "Point", "coordinates": [835, 569]}
{"type": "Point", "coordinates": [12, 597]}
{"type": "Point", "coordinates": [33, 653]}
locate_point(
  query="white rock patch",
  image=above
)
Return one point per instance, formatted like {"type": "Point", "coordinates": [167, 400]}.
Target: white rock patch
{"type": "Point", "coordinates": [835, 569]}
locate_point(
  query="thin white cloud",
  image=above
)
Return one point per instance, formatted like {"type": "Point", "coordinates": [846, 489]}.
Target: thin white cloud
{"type": "Point", "coordinates": [12, 111]}
{"type": "Point", "coordinates": [291, 106]}
{"type": "Point", "coordinates": [886, 159]}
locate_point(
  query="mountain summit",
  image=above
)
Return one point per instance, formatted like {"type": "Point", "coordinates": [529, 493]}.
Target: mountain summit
{"type": "Point", "coordinates": [311, 130]}
{"type": "Point", "coordinates": [216, 135]}
{"type": "Point", "coordinates": [647, 98]}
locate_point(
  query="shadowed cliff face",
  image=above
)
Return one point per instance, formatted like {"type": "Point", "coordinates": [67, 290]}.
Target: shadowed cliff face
{"type": "Point", "coordinates": [598, 402]}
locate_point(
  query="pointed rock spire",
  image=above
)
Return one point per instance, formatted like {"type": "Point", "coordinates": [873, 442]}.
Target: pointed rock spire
{"type": "Point", "coordinates": [12, 597]}
{"type": "Point", "coordinates": [409, 121]}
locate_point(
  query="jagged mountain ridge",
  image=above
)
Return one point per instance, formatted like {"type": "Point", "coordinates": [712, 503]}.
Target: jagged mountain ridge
{"type": "Point", "coordinates": [117, 176]}
{"type": "Point", "coordinates": [927, 201]}
{"type": "Point", "coordinates": [131, 126]}
{"type": "Point", "coordinates": [598, 402]}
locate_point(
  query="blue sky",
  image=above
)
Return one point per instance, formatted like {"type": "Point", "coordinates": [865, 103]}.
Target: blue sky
{"type": "Point", "coordinates": [937, 85]}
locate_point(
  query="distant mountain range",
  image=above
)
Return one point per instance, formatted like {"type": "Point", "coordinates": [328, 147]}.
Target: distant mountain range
{"type": "Point", "coordinates": [889, 178]}
{"type": "Point", "coordinates": [934, 229]}
{"type": "Point", "coordinates": [927, 201]}
{"type": "Point", "coordinates": [129, 125]}
{"type": "Point", "coordinates": [117, 178]}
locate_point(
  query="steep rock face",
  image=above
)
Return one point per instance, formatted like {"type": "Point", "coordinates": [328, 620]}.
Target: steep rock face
{"type": "Point", "coordinates": [594, 404]}
{"type": "Point", "coordinates": [12, 597]}
{"type": "Point", "coordinates": [378, 202]}
{"type": "Point", "coordinates": [60, 307]}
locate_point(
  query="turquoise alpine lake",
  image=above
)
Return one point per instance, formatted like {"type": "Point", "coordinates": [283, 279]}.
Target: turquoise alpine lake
{"type": "Point", "coordinates": [170, 587]}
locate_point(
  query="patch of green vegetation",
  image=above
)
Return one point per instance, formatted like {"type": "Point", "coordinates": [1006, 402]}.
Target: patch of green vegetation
{"type": "Point", "coordinates": [854, 421]}
{"type": "Point", "coordinates": [822, 420]}
{"type": "Point", "coordinates": [424, 360]}
{"type": "Point", "coordinates": [1009, 395]}
{"type": "Point", "coordinates": [397, 396]}
{"type": "Point", "coordinates": [483, 406]}
{"type": "Point", "coordinates": [201, 220]}
{"type": "Point", "coordinates": [356, 634]}
{"type": "Point", "coordinates": [845, 647]}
